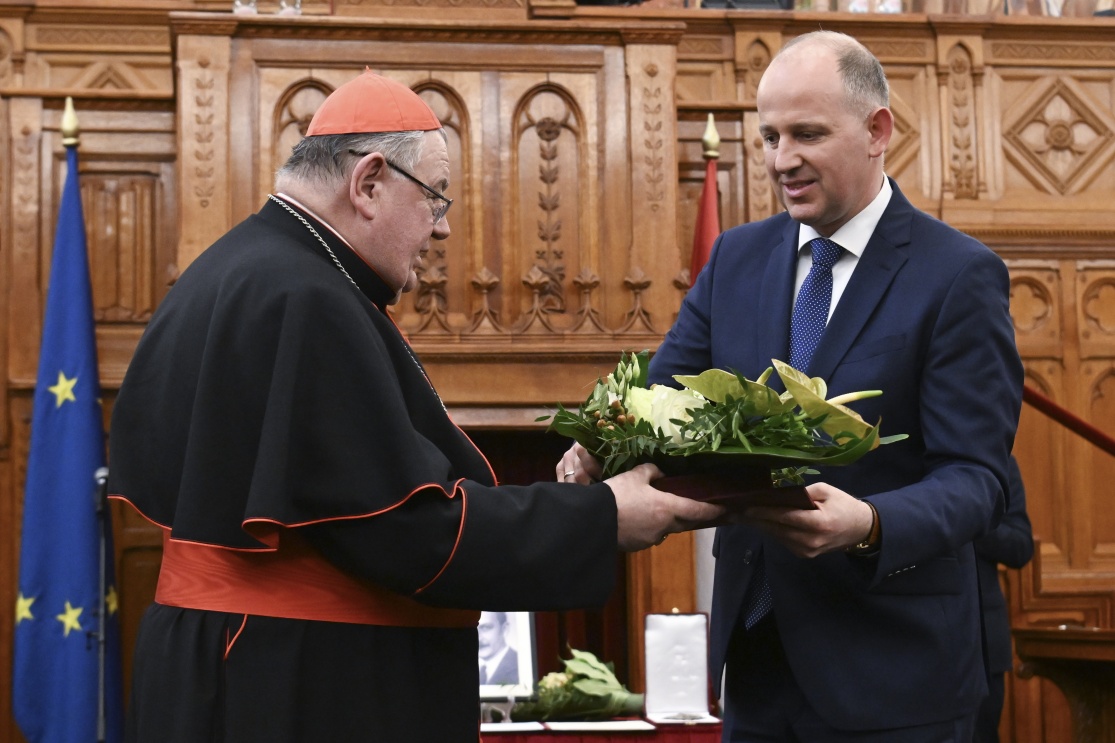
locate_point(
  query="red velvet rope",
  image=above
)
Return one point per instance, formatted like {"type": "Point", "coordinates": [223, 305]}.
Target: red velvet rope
{"type": "Point", "coordinates": [1068, 420]}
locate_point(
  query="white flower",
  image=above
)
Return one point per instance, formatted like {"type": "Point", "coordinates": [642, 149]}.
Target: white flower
{"type": "Point", "coordinates": [661, 405]}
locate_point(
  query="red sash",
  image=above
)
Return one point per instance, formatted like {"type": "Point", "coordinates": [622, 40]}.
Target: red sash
{"type": "Point", "coordinates": [294, 581]}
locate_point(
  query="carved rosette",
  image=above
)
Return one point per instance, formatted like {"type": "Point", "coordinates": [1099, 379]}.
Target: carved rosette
{"type": "Point", "coordinates": [962, 146]}
{"type": "Point", "coordinates": [1061, 137]}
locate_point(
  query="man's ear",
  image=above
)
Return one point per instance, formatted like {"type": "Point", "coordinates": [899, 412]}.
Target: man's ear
{"type": "Point", "coordinates": [880, 127]}
{"type": "Point", "coordinates": [366, 183]}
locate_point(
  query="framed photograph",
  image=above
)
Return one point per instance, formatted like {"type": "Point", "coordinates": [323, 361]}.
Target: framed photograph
{"type": "Point", "coordinates": [505, 659]}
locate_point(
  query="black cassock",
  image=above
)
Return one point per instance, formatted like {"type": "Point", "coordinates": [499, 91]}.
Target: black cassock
{"type": "Point", "coordinates": [272, 395]}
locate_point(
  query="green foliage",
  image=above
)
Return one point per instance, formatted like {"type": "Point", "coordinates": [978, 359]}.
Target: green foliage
{"type": "Point", "coordinates": [587, 690]}
{"type": "Point", "coordinates": [791, 432]}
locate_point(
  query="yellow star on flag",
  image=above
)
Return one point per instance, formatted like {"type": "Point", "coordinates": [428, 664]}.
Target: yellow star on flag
{"type": "Point", "coordinates": [23, 608]}
{"type": "Point", "coordinates": [64, 390]}
{"type": "Point", "coordinates": [111, 600]}
{"type": "Point", "coordinates": [69, 617]}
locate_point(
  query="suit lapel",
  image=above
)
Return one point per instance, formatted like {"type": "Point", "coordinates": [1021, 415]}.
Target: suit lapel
{"type": "Point", "coordinates": [776, 293]}
{"type": "Point", "coordinates": [884, 255]}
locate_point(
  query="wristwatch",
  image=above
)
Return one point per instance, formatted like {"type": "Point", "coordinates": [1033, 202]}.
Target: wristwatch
{"type": "Point", "coordinates": [870, 543]}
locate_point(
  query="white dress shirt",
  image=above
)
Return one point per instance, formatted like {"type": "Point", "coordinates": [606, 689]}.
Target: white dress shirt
{"type": "Point", "coordinates": [853, 237]}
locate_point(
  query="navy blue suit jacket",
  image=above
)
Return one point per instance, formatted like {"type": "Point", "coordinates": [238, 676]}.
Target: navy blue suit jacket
{"type": "Point", "coordinates": [892, 640]}
{"type": "Point", "coordinates": [1012, 544]}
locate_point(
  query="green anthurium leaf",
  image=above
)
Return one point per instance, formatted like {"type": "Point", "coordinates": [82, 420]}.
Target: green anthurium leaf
{"type": "Point", "coordinates": [809, 395]}
{"type": "Point", "coordinates": [712, 384]}
{"type": "Point", "coordinates": [719, 386]}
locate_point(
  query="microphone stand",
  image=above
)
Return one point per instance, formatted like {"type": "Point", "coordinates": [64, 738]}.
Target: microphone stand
{"type": "Point", "coordinates": [101, 498]}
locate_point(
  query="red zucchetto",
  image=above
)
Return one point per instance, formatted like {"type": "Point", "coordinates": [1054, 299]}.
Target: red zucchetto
{"type": "Point", "coordinates": [372, 103]}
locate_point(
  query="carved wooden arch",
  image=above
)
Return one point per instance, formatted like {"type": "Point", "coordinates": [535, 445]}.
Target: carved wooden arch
{"type": "Point", "coordinates": [289, 113]}
{"type": "Point", "coordinates": [546, 275]}
{"type": "Point", "coordinates": [758, 58]}
{"type": "Point", "coordinates": [442, 283]}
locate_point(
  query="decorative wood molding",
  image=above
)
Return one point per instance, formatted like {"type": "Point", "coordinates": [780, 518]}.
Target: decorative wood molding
{"type": "Point", "coordinates": [81, 37]}
{"type": "Point", "coordinates": [761, 201]}
{"type": "Point", "coordinates": [336, 28]}
{"type": "Point", "coordinates": [1051, 52]}
{"type": "Point", "coordinates": [203, 144]}
{"type": "Point", "coordinates": [29, 267]}
{"type": "Point", "coordinates": [963, 182]}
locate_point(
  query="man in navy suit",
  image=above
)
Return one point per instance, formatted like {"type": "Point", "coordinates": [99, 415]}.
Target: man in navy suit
{"type": "Point", "coordinates": [873, 627]}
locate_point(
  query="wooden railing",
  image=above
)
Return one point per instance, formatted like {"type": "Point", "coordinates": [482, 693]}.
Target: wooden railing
{"type": "Point", "coordinates": [1075, 654]}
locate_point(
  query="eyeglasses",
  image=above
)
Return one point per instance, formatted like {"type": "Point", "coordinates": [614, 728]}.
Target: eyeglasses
{"type": "Point", "coordinates": [439, 210]}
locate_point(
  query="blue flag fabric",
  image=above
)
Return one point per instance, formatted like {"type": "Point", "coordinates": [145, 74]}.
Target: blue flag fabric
{"type": "Point", "coordinates": [57, 662]}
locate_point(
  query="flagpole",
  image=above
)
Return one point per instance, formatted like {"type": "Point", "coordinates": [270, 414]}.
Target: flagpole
{"type": "Point", "coordinates": [101, 494]}
{"type": "Point", "coordinates": [70, 139]}
{"type": "Point", "coordinates": [707, 226]}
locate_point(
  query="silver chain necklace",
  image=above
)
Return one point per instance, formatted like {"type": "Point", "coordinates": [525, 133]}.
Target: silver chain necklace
{"type": "Point", "coordinates": [341, 268]}
{"type": "Point", "coordinates": [315, 233]}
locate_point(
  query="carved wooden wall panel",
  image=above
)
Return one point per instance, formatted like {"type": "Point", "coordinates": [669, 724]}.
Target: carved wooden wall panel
{"type": "Point", "coordinates": [564, 161]}
{"type": "Point", "coordinates": [576, 165]}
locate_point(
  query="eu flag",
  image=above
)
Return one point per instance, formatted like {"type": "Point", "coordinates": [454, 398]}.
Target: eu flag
{"type": "Point", "coordinates": [58, 653]}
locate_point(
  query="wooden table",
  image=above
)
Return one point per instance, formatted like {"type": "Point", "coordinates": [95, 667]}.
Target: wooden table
{"type": "Point", "coordinates": [1081, 662]}
{"type": "Point", "coordinates": [708, 733]}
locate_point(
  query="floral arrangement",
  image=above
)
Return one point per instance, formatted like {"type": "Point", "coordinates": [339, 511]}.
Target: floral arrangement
{"type": "Point", "coordinates": [586, 690]}
{"type": "Point", "coordinates": [624, 422]}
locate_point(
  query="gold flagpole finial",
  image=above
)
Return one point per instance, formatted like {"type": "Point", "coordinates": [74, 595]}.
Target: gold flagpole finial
{"type": "Point", "coordinates": [69, 124]}
{"type": "Point", "coordinates": [711, 140]}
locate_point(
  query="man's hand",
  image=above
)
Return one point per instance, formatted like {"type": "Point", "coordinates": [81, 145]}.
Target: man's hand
{"type": "Point", "coordinates": [647, 515]}
{"type": "Point", "coordinates": [840, 521]}
{"type": "Point", "coordinates": [578, 465]}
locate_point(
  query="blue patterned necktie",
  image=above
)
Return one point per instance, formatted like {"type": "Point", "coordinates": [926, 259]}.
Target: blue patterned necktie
{"type": "Point", "coordinates": [811, 312]}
